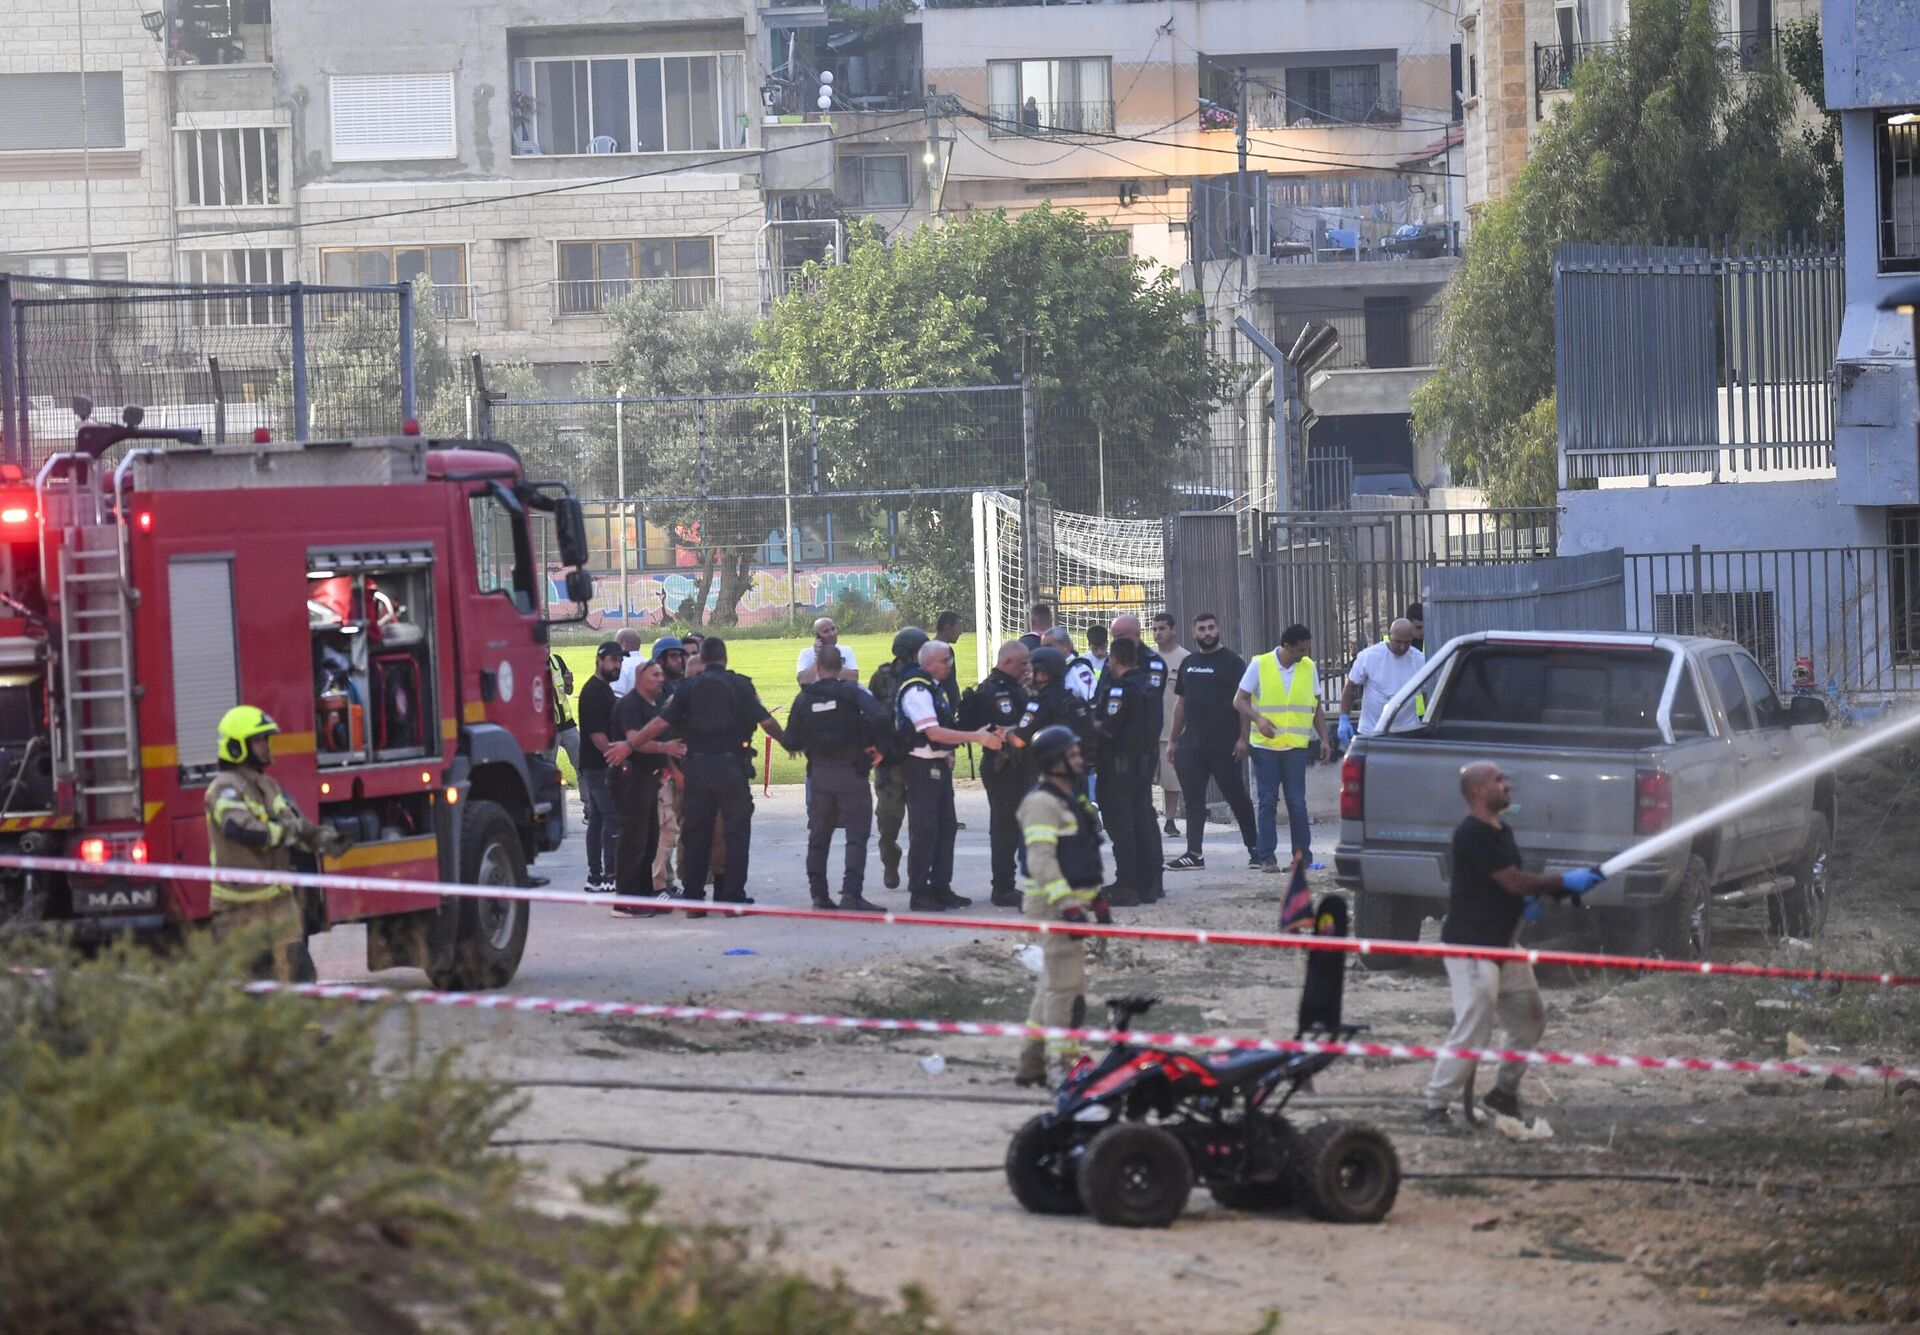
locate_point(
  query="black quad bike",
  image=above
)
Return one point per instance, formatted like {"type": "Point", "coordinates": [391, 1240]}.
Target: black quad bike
{"type": "Point", "coordinates": [1130, 1135]}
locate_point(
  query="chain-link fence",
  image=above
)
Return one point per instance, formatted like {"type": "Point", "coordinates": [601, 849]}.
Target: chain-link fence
{"type": "Point", "coordinates": [756, 508]}
{"type": "Point", "coordinates": [301, 361]}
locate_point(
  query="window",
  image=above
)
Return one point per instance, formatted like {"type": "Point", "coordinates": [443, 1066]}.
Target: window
{"type": "Point", "coordinates": [1767, 710]}
{"type": "Point", "coordinates": [593, 274]}
{"type": "Point", "coordinates": [237, 266]}
{"type": "Point", "coordinates": [109, 266]}
{"type": "Point", "coordinates": [879, 180]}
{"type": "Point", "coordinates": [230, 168]}
{"type": "Point", "coordinates": [1903, 579]}
{"type": "Point", "coordinates": [1338, 95]}
{"type": "Point", "coordinates": [1896, 137]}
{"type": "Point", "coordinates": [1455, 82]}
{"type": "Point", "coordinates": [1571, 688]}
{"type": "Point", "coordinates": [391, 117]}
{"type": "Point", "coordinates": [1726, 684]}
{"type": "Point", "coordinates": [1050, 96]}
{"type": "Point", "coordinates": [503, 560]}
{"type": "Point", "coordinates": [628, 104]}
{"type": "Point", "coordinates": [446, 266]}
{"type": "Point", "coordinates": [42, 111]}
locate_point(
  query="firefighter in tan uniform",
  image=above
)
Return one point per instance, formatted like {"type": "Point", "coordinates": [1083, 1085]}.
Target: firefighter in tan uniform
{"type": "Point", "coordinates": [1060, 859]}
{"type": "Point", "coordinates": [252, 825]}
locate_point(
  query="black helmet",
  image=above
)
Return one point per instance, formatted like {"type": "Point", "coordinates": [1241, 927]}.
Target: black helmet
{"type": "Point", "coordinates": [1050, 747]}
{"type": "Point", "coordinates": [907, 644]}
{"type": "Point", "coordinates": [1050, 661]}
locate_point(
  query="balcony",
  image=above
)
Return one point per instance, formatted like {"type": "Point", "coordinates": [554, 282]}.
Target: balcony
{"type": "Point", "coordinates": [1387, 339]}
{"type": "Point", "coordinates": [213, 32]}
{"type": "Point", "coordinates": [1276, 111]}
{"type": "Point", "coordinates": [576, 297]}
{"type": "Point", "coordinates": [1032, 118]}
{"type": "Point", "coordinates": [1742, 51]}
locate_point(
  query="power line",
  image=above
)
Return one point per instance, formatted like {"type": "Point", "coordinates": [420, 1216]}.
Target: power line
{"type": "Point", "coordinates": [570, 187]}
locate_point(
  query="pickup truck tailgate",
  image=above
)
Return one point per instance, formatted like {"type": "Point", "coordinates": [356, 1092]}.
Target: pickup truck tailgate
{"type": "Point", "coordinates": [1570, 806]}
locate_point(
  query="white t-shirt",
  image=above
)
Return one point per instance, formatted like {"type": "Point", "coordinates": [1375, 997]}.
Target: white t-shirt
{"type": "Point", "coordinates": [916, 702]}
{"type": "Point", "coordinates": [1250, 679]}
{"type": "Point", "coordinates": [847, 660]}
{"type": "Point", "coordinates": [1383, 673]}
{"type": "Point", "coordinates": [1081, 679]}
{"type": "Point", "coordinates": [629, 669]}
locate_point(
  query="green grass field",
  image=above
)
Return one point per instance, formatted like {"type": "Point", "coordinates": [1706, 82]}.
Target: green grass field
{"type": "Point", "coordinates": [770, 664]}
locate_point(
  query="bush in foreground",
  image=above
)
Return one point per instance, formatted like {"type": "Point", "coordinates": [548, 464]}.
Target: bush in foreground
{"type": "Point", "coordinates": [176, 1155]}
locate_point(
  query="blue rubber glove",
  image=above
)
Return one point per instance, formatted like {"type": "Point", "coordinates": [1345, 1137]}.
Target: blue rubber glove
{"type": "Point", "coordinates": [1536, 909]}
{"type": "Point", "coordinates": [1346, 731]}
{"type": "Point", "coordinates": [1582, 879]}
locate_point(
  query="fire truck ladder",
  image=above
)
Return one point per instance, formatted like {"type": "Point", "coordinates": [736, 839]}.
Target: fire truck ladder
{"type": "Point", "coordinates": [99, 749]}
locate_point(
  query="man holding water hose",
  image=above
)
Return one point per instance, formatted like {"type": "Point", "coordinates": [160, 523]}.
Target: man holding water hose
{"type": "Point", "coordinates": [1488, 896]}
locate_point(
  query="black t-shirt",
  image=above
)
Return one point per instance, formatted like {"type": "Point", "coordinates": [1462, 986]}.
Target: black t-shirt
{"type": "Point", "coordinates": [596, 715]}
{"type": "Point", "coordinates": [716, 712]}
{"type": "Point", "coordinates": [1479, 912]}
{"type": "Point", "coordinates": [634, 712]}
{"type": "Point", "coordinates": [1207, 682]}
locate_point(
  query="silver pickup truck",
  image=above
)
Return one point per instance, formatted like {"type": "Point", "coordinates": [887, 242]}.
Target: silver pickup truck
{"type": "Point", "coordinates": [1607, 738]}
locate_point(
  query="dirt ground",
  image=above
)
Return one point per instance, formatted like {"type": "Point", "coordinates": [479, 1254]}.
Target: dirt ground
{"type": "Point", "coordinates": [1796, 1221]}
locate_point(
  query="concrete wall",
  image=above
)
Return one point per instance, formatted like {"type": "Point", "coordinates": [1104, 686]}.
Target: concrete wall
{"type": "Point", "coordinates": [1734, 515]}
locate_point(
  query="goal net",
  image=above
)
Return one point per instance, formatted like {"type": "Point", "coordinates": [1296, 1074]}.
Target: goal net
{"type": "Point", "coordinates": [1089, 568]}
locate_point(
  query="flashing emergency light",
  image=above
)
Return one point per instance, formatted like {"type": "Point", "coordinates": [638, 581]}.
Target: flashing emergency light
{"type": "Point", "coordinates": [262, 436]}
{"type": "Point", "coordinates": [93, 850]}
{"type": "Point", "coordinates": [145, 521]}
{"type": "Point", "coordinates": [15, 514]}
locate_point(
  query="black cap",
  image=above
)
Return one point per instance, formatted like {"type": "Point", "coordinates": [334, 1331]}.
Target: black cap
{"type": "Point", "coordinates": [610, 649]}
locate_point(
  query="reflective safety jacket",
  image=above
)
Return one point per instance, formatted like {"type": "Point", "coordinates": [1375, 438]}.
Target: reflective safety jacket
{"type": "Point", "coordinates": [1289, 711]}
{"type": "Point", "coordinates": [251, 825]}
{"type": "Point", "coordinates": [1059, 848]}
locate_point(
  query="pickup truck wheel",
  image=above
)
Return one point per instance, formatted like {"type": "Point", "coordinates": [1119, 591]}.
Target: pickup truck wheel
{"type": "Point", "coordinates": [492, 934]}
{"type": "Point", "coordinates": [1801, 910]}
{"type": "Point", "coordinates": [1384, 917]}
{"type": "Point", "coordinates": [1681, 928]}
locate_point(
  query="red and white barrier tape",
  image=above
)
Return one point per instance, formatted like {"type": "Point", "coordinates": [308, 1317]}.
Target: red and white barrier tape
{"type": "Point", "coordinates": [1274, 940]}
{"type": "Point", "coordinates": [496, 1001]}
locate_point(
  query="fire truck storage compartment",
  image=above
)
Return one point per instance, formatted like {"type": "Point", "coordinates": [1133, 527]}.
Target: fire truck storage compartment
{"type": "Point", "coordinates": [26, 760]}
{"type": "Point", "coordinates": [370, 617]}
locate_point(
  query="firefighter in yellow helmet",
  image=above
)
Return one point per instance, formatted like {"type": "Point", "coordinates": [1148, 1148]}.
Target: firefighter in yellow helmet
{"type": "Point", "coordinates": [252, 825]}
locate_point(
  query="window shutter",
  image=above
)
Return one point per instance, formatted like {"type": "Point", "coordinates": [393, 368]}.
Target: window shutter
{"type": "Point", "coordinates": [206, 677]}
{"type": "Point", "coordinates": [392, 117]}
{"type": "Point", "coordinates": [42, 111]}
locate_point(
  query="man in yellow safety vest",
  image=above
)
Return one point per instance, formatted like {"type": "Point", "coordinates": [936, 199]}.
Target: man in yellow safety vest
{"type": "Point", "coordinates": [252, 825]}
{"type": "Point", "coordinates": [1279, 706]}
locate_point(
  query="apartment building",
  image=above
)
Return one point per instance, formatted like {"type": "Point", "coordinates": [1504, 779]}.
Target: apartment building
{"type": "Point", "coordinates": [1519, 58]}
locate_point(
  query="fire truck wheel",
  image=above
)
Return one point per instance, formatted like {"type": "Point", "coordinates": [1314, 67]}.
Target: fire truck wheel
{"type": "Point", "coordinates": [493, 932]}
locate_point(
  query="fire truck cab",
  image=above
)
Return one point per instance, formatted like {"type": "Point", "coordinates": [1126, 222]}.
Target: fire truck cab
{"type": "Point", "coordinates": [380, 598]}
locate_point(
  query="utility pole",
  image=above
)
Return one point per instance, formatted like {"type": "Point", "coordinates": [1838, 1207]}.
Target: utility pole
{"type": "Point", "coordinates": [86, 135]}
{"type": "Point", "coordinates": [1240, 185]}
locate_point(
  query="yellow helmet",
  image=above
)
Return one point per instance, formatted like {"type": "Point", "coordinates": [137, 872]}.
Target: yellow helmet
{"type": "Point", "coordinates": [238, 727]}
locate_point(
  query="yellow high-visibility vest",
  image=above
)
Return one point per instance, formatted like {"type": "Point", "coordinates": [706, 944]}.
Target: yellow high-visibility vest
{"type": "Point", "coordinates": [1289, 711]}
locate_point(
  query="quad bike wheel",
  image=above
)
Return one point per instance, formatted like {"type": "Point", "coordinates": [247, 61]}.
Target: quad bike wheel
{"type": "Point", "coordinates": [1135, 1176]}
{"type": "Point", "coordinates": [1037, 1170]}
{"type": "Point", "coordinates": [1347, 1173]}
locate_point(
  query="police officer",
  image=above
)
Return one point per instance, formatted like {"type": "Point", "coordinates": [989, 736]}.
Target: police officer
{"type": "Point", "coordinates": [889, 781]}
{"type": "Point", "coordinates": [671, 654]}
{"type": "Point", "coordinates": [1053, 701]}
{"type": "Point", "coordinates": [1061, 875]}
{"type": "Point", "coordinates": [715, 713]}
{"type": "Point", "coordinates": [566, 729]}
{"type": "Point", "coordinates": [253, 826]}
{"type": "Point", "coordinates": [1129, 737]}
{"type": "Point", "coordinates": [1000, 700]}
{"type": "Point", "coordinates": [1153, 680]}
{"type": "Point", "coordinates": [927, 731]}
{"type": "Point", "coordinates": [835, 724]}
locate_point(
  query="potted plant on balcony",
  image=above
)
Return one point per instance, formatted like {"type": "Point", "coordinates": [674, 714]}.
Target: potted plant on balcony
{"type": "Point", "coordinates": [523, 105]}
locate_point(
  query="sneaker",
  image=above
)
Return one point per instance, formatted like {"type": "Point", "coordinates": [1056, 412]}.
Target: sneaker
{"type": "Point", "coordinates": [824, 902]}
{"type": "Point", "coordinates": [671, 890]}
{"type": "Point", "coordinates": [740, 899]}
{"type": "Point", "coordinates": [634, 911]}
{"type": "Point", "coordinates": [1170, 828]}
{"type": "Point", "coordinates": [1122, 899]}
{"type": "Point", "coordinates": [1188, 862]}
{"type": "Point", "coordinates": [693, 897]}
{"type": "Point", "coordinates": [1006, 901]}
{"type": "Point", "coordinates": [1436, 1119]}
{"type": "Point", "coordinates": [1507, 1105]}
{"type": "Point", "coordinates": [891, 878]}
{"type": "Point", "coordinates": [1269, 866]}
{"type": "Point", "coordinates": [926, 904]}
{"type": "Point", "coordinates": [858, 903]}
{"type": "Point", "coordinates": [1253, 862]}
{"type": "Point", "coordinates": [948, 900]}
{"type": "Point", "coordinates": [596, 886]}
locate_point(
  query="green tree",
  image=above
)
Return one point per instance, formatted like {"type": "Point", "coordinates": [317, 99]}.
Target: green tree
{"type": "Point", "coordinates": [1661, 139]}
{"type": "Point", "coordinates": [1804, 55]}
{"type": "Point", "coordinates": [695, 447]}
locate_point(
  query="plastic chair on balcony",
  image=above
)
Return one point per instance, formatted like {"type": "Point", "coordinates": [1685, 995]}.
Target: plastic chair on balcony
{"type": "Point", "coordinates": [603, 143]}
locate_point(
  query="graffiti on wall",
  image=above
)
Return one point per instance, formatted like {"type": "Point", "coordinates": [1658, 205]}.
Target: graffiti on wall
{"type": "Point", "coordinates": [658, 596]}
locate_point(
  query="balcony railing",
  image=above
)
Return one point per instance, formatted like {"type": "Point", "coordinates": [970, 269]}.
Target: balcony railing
{"type": "Point", "coordinates": [1009, 120]}
{"type": "Point", "coordinates": [1275, 111]}
{"type": "Point", "coordinates": [592, 296]}
{"type": "Point", "coordinates": [1743, 51]}
{"type": "Point", "coordinates": [1383, 342]}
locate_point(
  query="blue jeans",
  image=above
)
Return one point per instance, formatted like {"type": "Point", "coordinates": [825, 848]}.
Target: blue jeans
{"type": "Point", "coordinates": [603, 827]}
{"type": "Point", "coordinates": [1274, 773]}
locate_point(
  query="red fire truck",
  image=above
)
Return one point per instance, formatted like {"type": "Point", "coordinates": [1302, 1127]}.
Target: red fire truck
{"type": "Point", "coordinates": [379, 598]}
